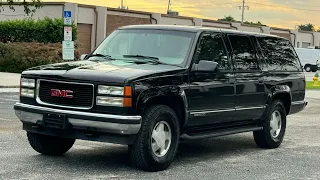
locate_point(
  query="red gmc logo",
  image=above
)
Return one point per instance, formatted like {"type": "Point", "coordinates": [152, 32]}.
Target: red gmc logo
{"type": "Point", "coordinates": [61, 93]}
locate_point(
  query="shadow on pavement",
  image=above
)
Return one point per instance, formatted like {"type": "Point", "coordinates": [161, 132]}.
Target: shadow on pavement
{"type": "Point", "coordinates": [116, 158]}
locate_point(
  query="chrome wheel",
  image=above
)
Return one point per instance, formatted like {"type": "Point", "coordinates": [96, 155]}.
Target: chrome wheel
{"type": "Point", "coordinates": [161, 138]}
{"type": "Point", "coordinates": [275, 124]}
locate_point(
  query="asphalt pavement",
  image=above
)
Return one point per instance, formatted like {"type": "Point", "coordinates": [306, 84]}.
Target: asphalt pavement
{"type": "Point", "coordinates": [229, 157]}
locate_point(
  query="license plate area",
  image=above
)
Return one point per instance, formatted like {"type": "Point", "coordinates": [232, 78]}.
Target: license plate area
{"type": "Point", "coordinates": [58, 121]}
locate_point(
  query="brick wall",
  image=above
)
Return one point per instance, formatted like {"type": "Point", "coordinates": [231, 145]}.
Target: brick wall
{"type": "Point", "coordinates": [285, 35]}
{"type": "Point", "coordinates": [115, 21]}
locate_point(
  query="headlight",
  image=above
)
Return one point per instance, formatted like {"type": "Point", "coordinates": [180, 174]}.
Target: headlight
{"type": "Point", "coordinates": [111, 90]}
{"type": "Point", "coordinates": [114, 101]}
{"type": "Point", "coordinates": [115, 90]}
{"type": "Point", "coordinates": [28, 83]}
{"type": "Point", "coordinates": [27, 92]}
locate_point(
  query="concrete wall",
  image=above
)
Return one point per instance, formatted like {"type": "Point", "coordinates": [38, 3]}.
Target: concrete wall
{"type": "Point", "coordinates": [50, 10]}
{"type": "Point", "coordinates": [176, 20]}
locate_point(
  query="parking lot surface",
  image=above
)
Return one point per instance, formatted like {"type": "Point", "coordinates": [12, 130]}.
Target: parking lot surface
{"type": "Point", "coordinates": [228, 157]}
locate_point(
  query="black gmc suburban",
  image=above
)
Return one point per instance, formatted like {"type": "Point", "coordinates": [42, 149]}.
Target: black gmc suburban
{"type": "Point", "coordinates": [151, 86]}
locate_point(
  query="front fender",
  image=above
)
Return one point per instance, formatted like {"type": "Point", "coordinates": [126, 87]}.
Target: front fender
{"type": "Point", "coordinates": [172, 93]}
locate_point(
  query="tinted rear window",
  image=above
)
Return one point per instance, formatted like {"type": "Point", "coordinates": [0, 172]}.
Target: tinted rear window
{"type": "Point", "coordinates": [279, 53]}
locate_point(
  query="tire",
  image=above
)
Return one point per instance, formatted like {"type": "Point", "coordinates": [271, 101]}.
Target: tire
{"type": "Point", "coordinates": [266, 139]}
{"type": "Point", "coordinates": [49, 145]}
{"type": "Point", "coordinates": [307, 67]}
{"type": "Point", "coordinates": [141, 152]}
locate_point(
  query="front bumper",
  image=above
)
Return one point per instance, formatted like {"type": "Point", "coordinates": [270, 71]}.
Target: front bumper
{"type": "Point", "coordinates": [91, 123]}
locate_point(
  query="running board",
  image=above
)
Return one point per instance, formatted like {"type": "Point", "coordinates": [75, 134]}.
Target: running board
{"type": "Point", "coordinates": [185, 136]}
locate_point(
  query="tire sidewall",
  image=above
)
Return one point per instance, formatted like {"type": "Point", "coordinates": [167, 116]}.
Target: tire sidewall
{"type": "Point", "coordinates": [277, 106]}
{"type": "Point", "coordinates": [169, 117]}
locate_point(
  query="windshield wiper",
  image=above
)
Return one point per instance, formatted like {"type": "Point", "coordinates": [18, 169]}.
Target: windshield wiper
{"type": "Point", "coordinates": [150, 58]}
{"type": "Point", "coordinates": [101, 55]}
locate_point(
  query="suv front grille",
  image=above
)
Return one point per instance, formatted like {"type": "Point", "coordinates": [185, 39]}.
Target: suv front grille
{"type": "Point", "coordinates": [82, 94]}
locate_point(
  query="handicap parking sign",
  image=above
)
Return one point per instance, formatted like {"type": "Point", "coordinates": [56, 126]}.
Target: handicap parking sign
{"type": "Point", "coordinates": [67, 15]}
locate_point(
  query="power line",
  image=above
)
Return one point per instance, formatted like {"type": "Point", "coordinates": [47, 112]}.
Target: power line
{"type": "Point", "coordinates": [302, 9]}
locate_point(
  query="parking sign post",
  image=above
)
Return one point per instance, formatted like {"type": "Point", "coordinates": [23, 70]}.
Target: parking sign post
{"type": "Point", "coordinates": [67, 43]}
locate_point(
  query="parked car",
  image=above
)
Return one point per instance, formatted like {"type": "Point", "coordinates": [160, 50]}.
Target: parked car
{"type": "Point", "coordinates": [152, 86]}
{"type": "Point", "coordinates": [308, 58]}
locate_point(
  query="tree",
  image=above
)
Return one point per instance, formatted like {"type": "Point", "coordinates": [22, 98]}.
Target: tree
{"type": "Point", "coordinates": [306, 27]}
{"type": "Point", "coordinates": [30, 6]}
{"type": "Point", "coordinates": [227, 18]}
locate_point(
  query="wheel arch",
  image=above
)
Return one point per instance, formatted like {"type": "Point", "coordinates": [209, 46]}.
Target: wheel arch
{"type": "Point", "coordinates": [282, 93]}
{"type": "Point", "coordinates": [177, 101]}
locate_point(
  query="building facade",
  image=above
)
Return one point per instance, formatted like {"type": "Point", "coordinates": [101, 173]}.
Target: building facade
{"type": "Point", "coordinates": [94, 23]}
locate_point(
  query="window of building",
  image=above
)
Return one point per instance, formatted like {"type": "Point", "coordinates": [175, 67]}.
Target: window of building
{"type": "Point", "coordinates": [279, 53]}
{"type": "Point", "coordinates": [211, 48]}
{"type": "Point", "coordinates": [244, 55]}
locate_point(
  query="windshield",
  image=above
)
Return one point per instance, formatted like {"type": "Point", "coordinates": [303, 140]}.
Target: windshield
{"type": "Point", "coordinates": [170, 47]}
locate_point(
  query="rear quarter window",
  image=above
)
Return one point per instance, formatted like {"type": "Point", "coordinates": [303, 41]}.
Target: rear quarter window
{"type": "Point", "coordinates": [280, 54]}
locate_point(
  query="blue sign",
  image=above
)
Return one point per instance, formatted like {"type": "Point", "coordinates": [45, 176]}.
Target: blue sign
{"type": "Point", "coordinates": [67, 14]}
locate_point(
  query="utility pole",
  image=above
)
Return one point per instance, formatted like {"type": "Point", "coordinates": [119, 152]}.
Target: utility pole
{"type": "Point", "coordinates": [242, 8]}
{"type": "Point", "coordinates": [169, 4]}
{"type": "Point", "coordinates": [121, 4]}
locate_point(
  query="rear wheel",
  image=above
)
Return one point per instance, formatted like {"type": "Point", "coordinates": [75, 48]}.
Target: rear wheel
{"type": "Point", "coordinates": [274, 127]}
{"type": "Point", "coordinates": [157, 141]}
{"type": "Point", "coordinates": [49, 145]}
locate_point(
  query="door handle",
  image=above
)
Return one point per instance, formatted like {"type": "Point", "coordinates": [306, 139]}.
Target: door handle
{"type": "Point", "coordinates": [232, 80]}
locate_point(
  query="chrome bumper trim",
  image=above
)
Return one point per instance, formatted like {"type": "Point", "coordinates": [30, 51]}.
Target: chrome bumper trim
{"type": "Point", "coordinates": [105, 126]}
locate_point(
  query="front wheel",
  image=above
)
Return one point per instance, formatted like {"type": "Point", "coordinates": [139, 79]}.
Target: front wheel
{"type": "Point", "coordinates": [274, 127]}
{"type": "Point", "coordinates": [49, 145]}
{"type": "Point", "coordinates": [157, 141]}
{"type": "Point", "coordinates": [308, 68]}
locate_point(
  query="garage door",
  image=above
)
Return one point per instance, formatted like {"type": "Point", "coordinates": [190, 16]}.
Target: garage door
{"type": "Point", "coordinates": [84, 38]}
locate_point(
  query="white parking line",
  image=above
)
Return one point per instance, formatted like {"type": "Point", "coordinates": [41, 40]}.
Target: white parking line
{"type": "Point", "coordinates": [14, 100]}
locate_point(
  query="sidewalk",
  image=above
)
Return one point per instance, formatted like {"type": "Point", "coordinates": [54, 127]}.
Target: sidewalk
{"type": "Point", "coordinates": [313, 94]}
{"type": "Point", "coordinates": [9, 80]}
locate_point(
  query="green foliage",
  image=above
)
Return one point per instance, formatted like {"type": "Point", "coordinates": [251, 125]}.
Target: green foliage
{"type": "Point", "coordinates": [306, 27]}
{"type": "Point", "coordinates": [28, 30]}
{"type": "Point", "coordinates": [254, 23]}
{"type": "Point", "coordinates": [231, 19]}
{"type": "Point", "coordinates": [227, 18]}
{"type": "Point", "coordinates": [30, 6]}
{"type": "Point", "coordinates": [17, 57]}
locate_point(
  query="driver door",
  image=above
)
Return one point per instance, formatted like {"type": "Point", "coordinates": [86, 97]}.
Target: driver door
{"type": "Point", "coordinates": [211, 94]}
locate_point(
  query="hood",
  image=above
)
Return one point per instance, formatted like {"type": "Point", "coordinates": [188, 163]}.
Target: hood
{"type": "Point", "coordinates": [101, 71]}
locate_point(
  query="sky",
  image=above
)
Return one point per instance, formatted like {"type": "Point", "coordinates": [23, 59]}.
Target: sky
{"type": "Point", "coordinates": [275, 13]}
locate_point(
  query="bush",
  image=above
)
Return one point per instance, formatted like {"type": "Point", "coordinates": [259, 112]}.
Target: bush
{"type": "Point", "coordinates": [28, 30]}
{"type": "Point", "coordinates": [17, 57]}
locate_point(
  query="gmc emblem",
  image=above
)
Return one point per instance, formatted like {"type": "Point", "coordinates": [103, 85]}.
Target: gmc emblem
{"type": "Point", "coordinates": [61, 93]}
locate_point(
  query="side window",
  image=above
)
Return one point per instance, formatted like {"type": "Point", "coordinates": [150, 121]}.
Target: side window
{"type": "Point", "coordinates": [244, 55]}
{"type": "Point", "coordinates": [211, 48]}
{"type": "Point", "coordinates": [279, 53]}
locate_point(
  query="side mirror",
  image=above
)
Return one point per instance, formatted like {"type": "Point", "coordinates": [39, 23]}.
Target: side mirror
{"type": "Point", "coordinates": [83, 56]}
{"type": "Point", "coordinates": [205, 66]}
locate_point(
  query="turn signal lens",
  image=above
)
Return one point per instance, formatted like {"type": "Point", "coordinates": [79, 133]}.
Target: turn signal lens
{"type": "Point", "coordinates": [128, 91]}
